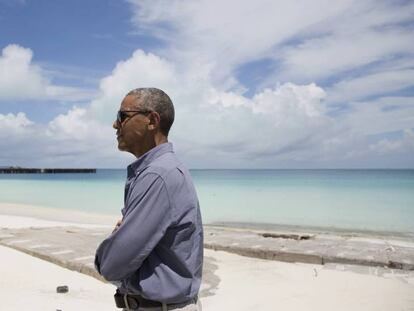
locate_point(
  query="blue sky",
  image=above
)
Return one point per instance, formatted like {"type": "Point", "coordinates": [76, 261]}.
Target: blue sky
{"type": "Point", "coordinates": [255, 85]}
{"type": "Point", "coordinates": [84, 34]}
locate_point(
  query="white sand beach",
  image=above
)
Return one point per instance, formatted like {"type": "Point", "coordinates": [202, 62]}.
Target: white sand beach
{"type": "Point", "coordinates": [255, 284]}
{"type": "Point", "coordinates": [245, 283]}
{"type": "Point", "coordinates": [29, 283]}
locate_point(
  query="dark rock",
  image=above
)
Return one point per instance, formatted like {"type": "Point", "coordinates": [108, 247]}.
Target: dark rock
{"type": "Point", "coordinates": [62, 289]}
{"type": "Point", "coordinates": [286, 236]}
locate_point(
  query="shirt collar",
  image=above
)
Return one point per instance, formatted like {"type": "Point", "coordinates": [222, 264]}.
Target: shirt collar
{"type": "Point", "coordinates": [148, 157]}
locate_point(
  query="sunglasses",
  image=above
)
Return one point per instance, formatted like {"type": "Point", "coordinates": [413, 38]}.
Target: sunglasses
{"type": "Point", "coordinates": [122, 115]}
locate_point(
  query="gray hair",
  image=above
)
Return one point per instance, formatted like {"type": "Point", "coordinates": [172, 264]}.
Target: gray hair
{"type": "Point", "coordinates": [156, 100]}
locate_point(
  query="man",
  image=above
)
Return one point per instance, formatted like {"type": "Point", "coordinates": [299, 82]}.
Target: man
{"type": "Point", "coordinates": [155, 253]}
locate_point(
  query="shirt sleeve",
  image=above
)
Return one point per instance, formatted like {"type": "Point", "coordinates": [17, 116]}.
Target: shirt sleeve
{"type": "Point", "coordinates": [145, 222]}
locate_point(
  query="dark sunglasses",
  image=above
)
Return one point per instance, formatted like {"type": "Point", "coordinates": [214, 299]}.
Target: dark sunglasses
{"type": "Point", "coordinates": [122, 115]}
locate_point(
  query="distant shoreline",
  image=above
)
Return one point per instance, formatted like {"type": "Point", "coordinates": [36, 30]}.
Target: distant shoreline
{"type": "Point", "coordinates": [23, 170]}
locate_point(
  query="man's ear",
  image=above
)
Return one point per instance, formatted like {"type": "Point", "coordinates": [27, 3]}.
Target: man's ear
{"type": "Point", "coordinates": [154, 118]}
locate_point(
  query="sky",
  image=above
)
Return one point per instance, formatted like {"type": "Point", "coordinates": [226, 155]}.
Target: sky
{"type": "Point", "coordinates": [255, 84]}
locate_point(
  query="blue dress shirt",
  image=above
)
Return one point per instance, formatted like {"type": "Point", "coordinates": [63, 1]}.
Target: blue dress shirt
{"type": "Point", "coordinates": [157, 252]}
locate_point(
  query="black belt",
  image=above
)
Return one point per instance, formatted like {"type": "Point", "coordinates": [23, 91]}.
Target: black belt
{"type": "Point", "coordinates": [134, 301]}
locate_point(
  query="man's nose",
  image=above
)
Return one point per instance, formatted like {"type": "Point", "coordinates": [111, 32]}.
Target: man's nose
{"type": "Point", "coordinates": [115, 124]}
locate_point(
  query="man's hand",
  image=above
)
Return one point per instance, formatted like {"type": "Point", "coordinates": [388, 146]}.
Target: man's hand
{"type": "Point", "coordinates": [117, 225]}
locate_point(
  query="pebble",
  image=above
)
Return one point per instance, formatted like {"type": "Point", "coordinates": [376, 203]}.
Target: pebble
{"type": "Point", "coordinates": [62, 289]}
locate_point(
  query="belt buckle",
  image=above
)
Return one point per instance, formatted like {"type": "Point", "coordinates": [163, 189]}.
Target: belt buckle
{"type": "Point", "coordinates": [126, 302]}
{"type": "Point", "coordinates": [131, 304]}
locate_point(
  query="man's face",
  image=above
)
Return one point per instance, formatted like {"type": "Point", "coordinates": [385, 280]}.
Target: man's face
{"type": "Point", "coordinates": [132, 132]}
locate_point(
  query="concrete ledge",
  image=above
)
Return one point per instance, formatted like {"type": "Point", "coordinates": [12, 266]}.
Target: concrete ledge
{"type": "Point", "coordinates": [353, 261]}
{"type": "Point", "coordinates": [307, 258]}
{"type": "Point", "coordinates": [268, 254]}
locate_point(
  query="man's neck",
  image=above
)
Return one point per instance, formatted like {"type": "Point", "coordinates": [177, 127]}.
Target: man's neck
{"type": "Point", "coordinates": [161, 139]}
{"type": "Point", "coordinates": [157, 140]}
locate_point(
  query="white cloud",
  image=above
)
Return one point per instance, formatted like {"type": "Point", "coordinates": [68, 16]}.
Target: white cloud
{"type": "Point", "coordinates": [287, 123]}
{"type": "Point", "coordinates": [309, 43]}
{"type": "Point", "coordinates": [371, 118]}
{"type": "Point", "coordinates": [224, 100]}
{"type": "Point", "coordinates": [290, 99]}
{"type": "Point", "coordinates": [322, 57]}
{"type": "Point", "coordinates": [221, 123]}
{"type": "Point", "coordinates": [74, 124]}
{"type": "Point", "coordinates": [17, 136]}
{"type": "Point", "coordinates": [20, 79]}
{"type": "Point", "coordinates": [14, 124]}
{"type": "Point", "coordinates": [386, 146]}
{"type": "Point", "coordinates": [69, 140]}
{"type": "Point", "coordinates": [371, 85]}
{"type": "Point", "coordinates": [78, 136]}
{"type": "Point", "coordinates": [223, 35]}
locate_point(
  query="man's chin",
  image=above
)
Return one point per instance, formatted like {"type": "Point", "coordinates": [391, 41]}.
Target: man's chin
{"type": "Point", "coordinates": [121, 147]}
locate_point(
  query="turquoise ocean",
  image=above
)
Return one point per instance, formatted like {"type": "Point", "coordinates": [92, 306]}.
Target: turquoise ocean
{"type": "Point", "coordinates": [379, 200]}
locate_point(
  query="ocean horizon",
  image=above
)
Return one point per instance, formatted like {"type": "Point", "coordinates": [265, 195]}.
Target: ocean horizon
{"type": "Point", "coordinates": [352, 199]}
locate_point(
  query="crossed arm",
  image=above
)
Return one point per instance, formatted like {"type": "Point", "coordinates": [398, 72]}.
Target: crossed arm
{"type": "Point", "coordinates": [135, 236]}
